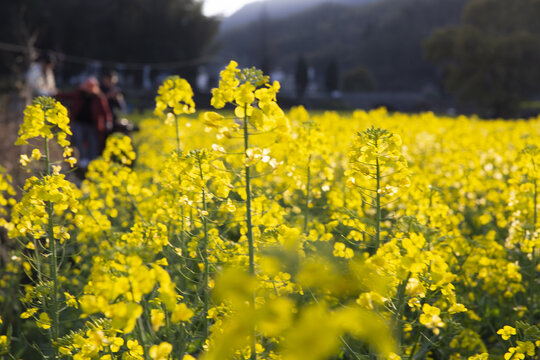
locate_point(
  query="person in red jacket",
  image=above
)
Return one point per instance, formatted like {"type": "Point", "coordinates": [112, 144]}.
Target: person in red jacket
{"type": "Point", "coordinates": [91, 119]}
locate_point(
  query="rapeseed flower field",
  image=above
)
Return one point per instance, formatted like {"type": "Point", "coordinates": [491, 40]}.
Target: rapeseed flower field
{"type": "Point", "coordinates": [265, 234]}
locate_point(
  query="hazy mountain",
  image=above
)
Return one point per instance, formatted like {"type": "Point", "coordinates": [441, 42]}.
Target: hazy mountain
{"type": "Point", "coordinates": [276, 9]}
{"type": "Point", "coordinates": [385, 36]}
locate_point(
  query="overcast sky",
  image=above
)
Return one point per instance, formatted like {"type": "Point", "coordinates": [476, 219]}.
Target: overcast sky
{"type": "Point", "coordinates": [223, 7]}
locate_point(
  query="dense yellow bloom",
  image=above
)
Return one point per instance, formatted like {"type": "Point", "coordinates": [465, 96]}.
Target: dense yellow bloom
{"type": "Point", "coordinates": [161, 351]}
{"type": "Point", "coordinates": [376, 153]}
{"type": "Point", "coordinates": [340, 250]}
{"type": "Point", "coordinates": [513, 353]}
{"type": "Point", "coordinates": [430, 318]}
{"type": "Point", "coordinates": [71, 300]}
{"type": "Point", "coordinates": [135, 351]}
{"type": "Point", "coordinates": [158, 247]}
{"type": "Point", "coordinates": [483, 356]}
{"type": "Point", "coordinates": [42, 118]}
{"type": "Point", "coordinates": [124, 315]}
{"type": "Point", "coordinates": [253, 97]}
{"type": "Point", "coordinates": [29, 216]}
{"type": "Point", "coordinates": [526, 347]}
{"type": "Point", "coordinates": [28, 313]}
{"type": "Point", "coordinates": [174, 95]}
{"type": "Point", "coordinates": [44, 321]}
{"type": "Point", "coordinates": [157, 318]}
{"type": "Point", "coordinates": [4, 344]}
{"type": "Point", "coordinates": [506, 332]}
{"type": "Point", "coordinates": [181, 313]}
{"type": "Point", "coordinates": [48, 119]}
{"type": "Point", "coordinates": [119, 149]}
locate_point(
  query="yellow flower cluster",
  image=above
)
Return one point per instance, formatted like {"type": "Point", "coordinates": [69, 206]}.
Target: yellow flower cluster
{"type": "Point", "coordinates": [30, 217]}
{"type": "Point", "coordinates": [47, 119]}
{"type": "Point", "coordinates": [6, 197]}
{"type": "Point", "coordinates": [376, 154]}
{"type": "Point", "coordinates": [174, 96]}
{"type": "Point", "coordinates": [252, 95]}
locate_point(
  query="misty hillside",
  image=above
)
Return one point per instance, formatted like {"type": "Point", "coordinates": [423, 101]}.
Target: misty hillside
{"type": "Point", "coordinates": [385, 36]}
{"type": "Point", "coordinates": [276, 9]}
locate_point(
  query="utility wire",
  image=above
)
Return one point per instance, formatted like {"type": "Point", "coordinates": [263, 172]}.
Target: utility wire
{"type": "Point", "coordinates": [124, 65]}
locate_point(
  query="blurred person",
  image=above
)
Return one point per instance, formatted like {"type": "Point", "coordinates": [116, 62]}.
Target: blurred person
{"type": "Point", "coordinates": [113, 93]}
{"type": "Point", "coordinates": [40, 76]}
{"type": "Point", "coordinates": [117, 103]}
{"type": "Point", "coordinates": [91, 119]}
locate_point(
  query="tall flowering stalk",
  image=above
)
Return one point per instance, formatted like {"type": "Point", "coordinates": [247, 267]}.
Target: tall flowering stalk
{"type": "Point", "coordinates": [205, 185]}
{"type": "Point", "coordinates": [379, 170]}
{"type": "Point", "coordinates": [46, 198]}
{"type": "Point", "coordinates": [175, 97]}
{"type": "Point", "coordinates": [254, 101]}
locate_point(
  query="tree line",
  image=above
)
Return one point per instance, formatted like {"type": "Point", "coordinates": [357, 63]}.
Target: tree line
{"type": "Point", "coordinates": [485, 52]}
{"type": "Point", "coordinates": [491, 60]}
{"type": "Point", "coordinates": [118, 30]}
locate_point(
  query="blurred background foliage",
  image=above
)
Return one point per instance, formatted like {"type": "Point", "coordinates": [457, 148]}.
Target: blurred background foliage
{"type": "Point", "coordinates": [473, 56]}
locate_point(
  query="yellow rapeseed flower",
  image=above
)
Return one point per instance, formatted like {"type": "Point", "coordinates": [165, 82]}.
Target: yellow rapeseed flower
{"type": "Point", "coordinates": [506, 332]}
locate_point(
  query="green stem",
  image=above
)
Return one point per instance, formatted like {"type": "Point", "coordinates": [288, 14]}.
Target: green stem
{"type": "Point", "coordinates": [142, 338]}
{"type": "Point", "coordinates": [398, 321]}
{"type": "Point", "coordinates": [183, 245]}
{"type": "Point", "coordinates": [182, 228]}
{"type": "Point", "coordinates": [53, 263]}
{"type": "Point", "coordinates": [38, 260]}
{"type": "Point", "coordinates": [47, 158]}
{"type": "Point", "coordinates": [53, 269]}
{"type": "Point", "coordinates": [204, 253]}
{"type": "Point", "coordinates": [535, 204]}
{"type": "Point", "coordinates": [249, 229]}
{"type": "Point", "coordinates": [430, 205]}
{"type": "Point", "coordinates": [378, 205]}
{"type": "Point", "coordinates": [532, 271]}
{"type": "Point", "coordinates": [191, 222]}
{"type": "Point", "coordinates": [308, 190]}
{"type": "Point", "coordinates": [415, 344]}
{"type": "Point", "coordinates": [167, 321]}
{"type": "Point", "coordinates": [344, 190]}
{"type": "Point", "coordinates": [181, 342]}
{"type": "Point", "coordinates": [363, 214]}
{"type": "Point", "coordinates": [177, 135]}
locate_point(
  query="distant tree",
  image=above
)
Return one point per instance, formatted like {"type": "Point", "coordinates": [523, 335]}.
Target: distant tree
{"type": "Point", "coordinates": [17, 20]}
{"type": "Point", "coordinates": [384, 36]}
{"type": "Point", "coordinates": [331, 76]}
{"type": "Point", "coordinates": [493, 59]}
{"type": "Point", "coordinates": [359, 79]}
{"type": "Point", "coordinates": [121, 30]}
{"type": "Point", "coordinates": [301, 77]}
